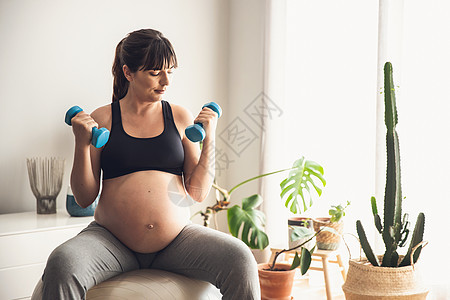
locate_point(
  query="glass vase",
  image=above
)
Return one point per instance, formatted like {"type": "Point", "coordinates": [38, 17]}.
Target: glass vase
{"type": "Point", "coordinates": [45, 175]}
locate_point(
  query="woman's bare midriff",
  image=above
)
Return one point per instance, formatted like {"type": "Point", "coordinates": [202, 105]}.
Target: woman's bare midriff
{"type": "Point", "coordinates": [145, 210]}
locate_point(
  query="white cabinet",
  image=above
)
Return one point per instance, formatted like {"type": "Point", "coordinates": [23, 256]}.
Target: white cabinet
{"type": "Point", "coordinates": [26, 241]}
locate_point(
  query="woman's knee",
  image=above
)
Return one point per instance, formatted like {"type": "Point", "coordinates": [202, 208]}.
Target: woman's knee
{"type": "Point", "coordinates": [235, 253]}
{"type": "Point", "coordinates": [62, 264]}
{"type": "Point", "coordinates": [246, 256]}
{"type": "Point", "coordinates": [240, 279]}
{"type": "Point", "coordinates": [62, 277]}
{"type": "Point", "coordinates": [239, 257]}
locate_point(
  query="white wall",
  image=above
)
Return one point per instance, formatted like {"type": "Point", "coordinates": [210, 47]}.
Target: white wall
{"type": "Point", "coordinates": [58, 54]}
{"type": "Point", "coordinates": [55, 54]}
{"type": "Point", "coordinates": [245, 82]}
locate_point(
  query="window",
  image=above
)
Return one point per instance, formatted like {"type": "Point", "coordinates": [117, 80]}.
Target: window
{"type": "Point", "coordinates": [333, 109]}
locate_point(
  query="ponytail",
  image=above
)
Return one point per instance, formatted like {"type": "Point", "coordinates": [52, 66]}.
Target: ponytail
{"type": "Point", "coordinates": [120, 85]}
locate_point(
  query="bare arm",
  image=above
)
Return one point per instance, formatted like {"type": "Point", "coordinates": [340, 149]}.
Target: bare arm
{"type": "Point", "coordinates": [199, 166]}
{"type": "Point", "coordinates": [85, 176]}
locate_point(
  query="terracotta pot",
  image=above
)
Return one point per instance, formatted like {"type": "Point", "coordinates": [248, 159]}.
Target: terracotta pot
{"type": "Point", "coordinates": [276, 285]}
{"type": "Point", "coordinates": [366, 282]}
{"type": "Point", "coordinates": [327, 240]}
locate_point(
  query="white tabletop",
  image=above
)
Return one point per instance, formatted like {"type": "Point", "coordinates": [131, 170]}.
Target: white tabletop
{"type": "Point", "coordinates": [26, 222]}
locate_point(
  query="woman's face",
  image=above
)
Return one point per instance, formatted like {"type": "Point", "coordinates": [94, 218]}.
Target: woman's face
{"type": "Point", "coordinates": [150, 85]}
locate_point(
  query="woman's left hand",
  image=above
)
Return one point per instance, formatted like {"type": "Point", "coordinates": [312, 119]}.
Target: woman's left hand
{"type": "Point", "coordinates": [209, 120]}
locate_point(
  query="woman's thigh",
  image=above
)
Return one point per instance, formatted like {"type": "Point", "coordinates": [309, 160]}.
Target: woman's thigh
{"type": "Point", "coordinates": [212, 256]}
{"type": "Point", "coordinates": [89, 258]}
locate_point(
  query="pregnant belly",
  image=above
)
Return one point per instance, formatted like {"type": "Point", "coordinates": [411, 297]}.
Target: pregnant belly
{"type": "Point", "coordinates": [144, 210]}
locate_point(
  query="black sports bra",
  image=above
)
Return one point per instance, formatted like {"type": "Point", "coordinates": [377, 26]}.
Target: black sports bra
{"type": "Point", "coordinates": [124, 154]}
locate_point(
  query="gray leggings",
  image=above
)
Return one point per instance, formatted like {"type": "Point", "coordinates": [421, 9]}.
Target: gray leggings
{"type": "Point", "coordinates": [95, 255]}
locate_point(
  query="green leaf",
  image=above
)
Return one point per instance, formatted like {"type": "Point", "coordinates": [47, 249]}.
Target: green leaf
{"type": "Point", "coordinates": [251, 220]}
{"type": "Point", "coordinates": [305, 261]}
{"type": "Point", "coordinates": [373, 201]}
{"type": "Point", "coordinates": [300, 233]}
{"type": "Point", "coordinates": [365, 244]}
{"type": "Point", "coordinates": [416, 239]}
{"type": "Point", "coordinates": [336, 216]}
{"type": "Point", "coordinates": [378, 224]}
{"type": "Point", "coordinates": [337, 212]}
{"type": "Point", "coordinates": [295, 262]}
{"type": "Point", "coordinates": [251, 202]}
{"type": "Point", "coordinates": [296, 188]}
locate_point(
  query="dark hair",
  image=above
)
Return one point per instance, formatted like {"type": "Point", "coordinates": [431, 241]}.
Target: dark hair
{"type": "Point", "coordinates": [141, 50]}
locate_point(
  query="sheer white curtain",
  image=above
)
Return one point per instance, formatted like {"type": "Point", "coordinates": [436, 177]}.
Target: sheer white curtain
{"type": "Point", "coordinates": [272, 139]}
{"type": "Point", "coordinates": [328, 84]}
{"type": "Point", "coordinates": [413, 35]}
{"type": "Point", "coordinates": [424, 127]}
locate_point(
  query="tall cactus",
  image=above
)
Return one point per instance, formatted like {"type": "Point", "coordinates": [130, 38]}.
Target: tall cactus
{"type": "Point", "coordinates": [395, 230]}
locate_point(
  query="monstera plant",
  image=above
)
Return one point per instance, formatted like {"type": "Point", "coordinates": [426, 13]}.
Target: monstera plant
{"type": "Point", "coordinates": [246, 222]}
{"type": "Point", "coordinates": [297, 186]}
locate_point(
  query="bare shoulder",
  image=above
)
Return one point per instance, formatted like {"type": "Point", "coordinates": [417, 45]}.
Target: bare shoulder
{"type": "Point", "coordinates": [182, 118]}
{"type": "Point", "coordinates": [102, 116]}
{"type": "Point", "coordinates": [181, 114]}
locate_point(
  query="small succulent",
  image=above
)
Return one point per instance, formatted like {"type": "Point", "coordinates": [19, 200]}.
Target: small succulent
{"type": "Point", "coordinates": [337, 212]}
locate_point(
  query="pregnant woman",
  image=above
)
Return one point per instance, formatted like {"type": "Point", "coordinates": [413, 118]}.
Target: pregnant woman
{"type": "Point", "coordinates": [149, 172]}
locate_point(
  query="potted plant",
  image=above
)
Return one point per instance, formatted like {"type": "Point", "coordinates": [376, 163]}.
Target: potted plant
{"type": "Point", "coordinates": [276, 279]}
{"type": "Point", "coordinates": [309, 174]}
{"type": "Point", "coordinates": [304, 175]}
{"type": "Point", "coordinates": [330, 240]}
{"type": "Point", "coordinates": [388, 276]}
{"type": "Point", "coordinates": [302, 224]}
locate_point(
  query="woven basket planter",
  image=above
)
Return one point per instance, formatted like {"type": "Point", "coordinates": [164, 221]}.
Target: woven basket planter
{"type": "Point", "coordinates": [327, 240]}
{"type": "Point", "coordinates": [366, 282]}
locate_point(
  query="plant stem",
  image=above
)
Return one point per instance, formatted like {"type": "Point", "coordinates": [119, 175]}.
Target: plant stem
{"type": "Point", "coordinates": [224, 192]}
{"type": "Point", "coordinates": [216, 226]}
{"type": "Point", "coordinates": [293, 248]}
{"type": "Point", "coordinates": [256, 177]}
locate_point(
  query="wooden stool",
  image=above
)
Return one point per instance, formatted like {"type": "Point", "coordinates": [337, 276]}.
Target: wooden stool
{"type": "Point", "coordinates": [321, 256]}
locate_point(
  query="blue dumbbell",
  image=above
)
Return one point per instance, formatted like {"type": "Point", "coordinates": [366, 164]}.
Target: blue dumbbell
{"type": "Point", "coordinates": [196, 133]}
{"type": "Point", "coordinates": [99, 136]}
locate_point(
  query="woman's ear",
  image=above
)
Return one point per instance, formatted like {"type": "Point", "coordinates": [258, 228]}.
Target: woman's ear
{"type": "Point", "coordinates": [127, 73]}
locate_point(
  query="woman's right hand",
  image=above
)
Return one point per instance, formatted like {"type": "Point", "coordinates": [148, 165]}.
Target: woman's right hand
{"type": "Point", "coordinates": [82, 125]}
